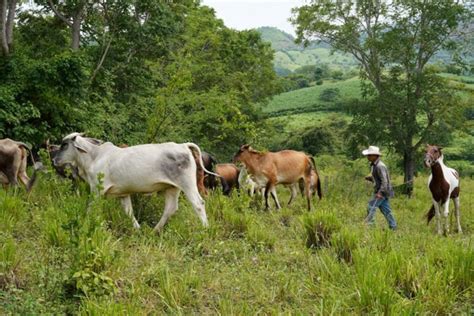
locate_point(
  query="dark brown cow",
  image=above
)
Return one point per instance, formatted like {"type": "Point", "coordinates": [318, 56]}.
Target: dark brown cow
{"type": "Point", "coordinates": [13, 157]}
{"type": "Point", "coordinates": [272, 168]}
{"type": "Point", "coordinates": [230, 177]}
{"type": "Point", "coordinates": [204, 180]}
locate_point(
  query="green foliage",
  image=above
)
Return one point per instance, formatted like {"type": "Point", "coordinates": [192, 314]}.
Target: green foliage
{"type": "Point", "coordinates": [320, 228]}
{"type": "Point", "coordinates": [329, 95]}
{"type": "Point", "coordinates": [214, 82]}
{"type": "Point", "coordinates": [345, 243]}
{"type": "Point", "coordinates": [316, 137]}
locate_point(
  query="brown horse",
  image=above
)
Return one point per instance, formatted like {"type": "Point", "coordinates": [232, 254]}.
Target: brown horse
{"type": "Point", "coordinates": [443, 184]}
{"type": "Point", "coordinates": [272, 168]}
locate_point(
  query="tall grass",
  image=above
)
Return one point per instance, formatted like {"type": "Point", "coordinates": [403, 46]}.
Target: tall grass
{"type": "Point", "coordinates": [62, 253]}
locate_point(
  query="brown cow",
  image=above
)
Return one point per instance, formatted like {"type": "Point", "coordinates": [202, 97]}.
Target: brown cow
{"type": "Point", "coordinates": [229, 176]}
{"type": "Point", "coordinates": [272, 168]}
{"type": "Point", "coordinates": [203, 179]}
{"type": "Point", "coordinates": [13, 164]}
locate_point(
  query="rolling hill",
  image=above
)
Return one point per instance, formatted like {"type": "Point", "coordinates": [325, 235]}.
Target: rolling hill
{"type": "Point", "coordinates": [291, 56]}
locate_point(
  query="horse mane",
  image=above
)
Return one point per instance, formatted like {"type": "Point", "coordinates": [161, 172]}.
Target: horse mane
{"type": "Point", "coordinates": [253, 151]}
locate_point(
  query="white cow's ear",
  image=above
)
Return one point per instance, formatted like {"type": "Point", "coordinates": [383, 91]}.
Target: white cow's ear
{"type": "Point", "coordinates": [80, 148]}
{"type": "Point", "coordinates": [79, 145]}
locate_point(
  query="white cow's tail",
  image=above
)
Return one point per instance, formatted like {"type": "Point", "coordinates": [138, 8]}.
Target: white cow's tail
{"type": "Point", "coordinates": [196, 148]}
{"type": "Point", "coordinates": [36, 165]}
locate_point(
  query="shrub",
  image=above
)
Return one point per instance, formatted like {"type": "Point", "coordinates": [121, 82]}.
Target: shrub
{"type": "Point", "coordinates": [330, 94]}
{"type": "Point", "coordinates": [319, 229]}
{"type": "Point", "coordinates": [344, 244]}
{"type": "Point", "coordinates": [9, 263]}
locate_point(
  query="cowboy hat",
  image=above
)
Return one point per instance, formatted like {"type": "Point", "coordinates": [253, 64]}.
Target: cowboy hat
{"type": "Point", "coordinates": [372, 150]}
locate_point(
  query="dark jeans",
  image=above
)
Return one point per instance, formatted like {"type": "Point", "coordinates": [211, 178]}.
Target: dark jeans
{"type": "Point", "coordinates": [384, 205]}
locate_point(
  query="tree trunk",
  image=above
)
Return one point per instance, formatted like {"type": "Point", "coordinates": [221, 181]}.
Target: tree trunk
{"type": "Point", "coordinates": [10, 22]}
{"type": "Point", "coordinates": [409, 171]}
{"type": "Point", "coordinates": [3, 27]}
{"type": "Point", "coordinates": [76, 31]}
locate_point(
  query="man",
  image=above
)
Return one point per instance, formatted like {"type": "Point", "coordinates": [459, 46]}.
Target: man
{"type": "Point", "coordinates": [382, 188]}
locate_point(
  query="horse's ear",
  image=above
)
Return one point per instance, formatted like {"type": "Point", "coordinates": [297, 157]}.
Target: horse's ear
{"type": "Point", "coordinates": [246, 146]}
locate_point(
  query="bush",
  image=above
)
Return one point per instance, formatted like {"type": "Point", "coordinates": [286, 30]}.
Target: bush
{"type": "Point", "coordinates": [330, 95]}
{"type": "Point", "coordinates": [319, 229]}
{"type": "Point", "coordinates": [344, 244]}
{"type": "Point", "coordinates": [337, 75]}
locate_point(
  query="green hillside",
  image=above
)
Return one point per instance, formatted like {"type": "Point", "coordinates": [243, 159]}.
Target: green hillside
{"type": "Point", "coordinates": [291, 56]}
{"type": "Point", "coordinates": [308, 99]}
{"type": "Point", "coordinates": [280, 40]}
{"type": "Point", "coordinates": [294, 59]}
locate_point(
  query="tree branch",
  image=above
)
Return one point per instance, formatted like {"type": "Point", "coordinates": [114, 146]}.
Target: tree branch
{"type": "Point", "coordinates": [101, 61]}
{"type": "Point", "coordinates": [58, 14]}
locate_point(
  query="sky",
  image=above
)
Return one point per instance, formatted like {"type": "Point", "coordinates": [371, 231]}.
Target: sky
{"type": "Point", "coordinates": [246, 14]}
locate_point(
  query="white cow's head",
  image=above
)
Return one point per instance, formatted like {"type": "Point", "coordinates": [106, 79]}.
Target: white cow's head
{"type": "Point", "coordinates": [72, 146]}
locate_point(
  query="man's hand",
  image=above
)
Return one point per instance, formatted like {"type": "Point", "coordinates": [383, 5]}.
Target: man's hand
{"type": "Point", "coordinates": [379, 195]}
{"type": "Point", "coordinates": [369, 178]}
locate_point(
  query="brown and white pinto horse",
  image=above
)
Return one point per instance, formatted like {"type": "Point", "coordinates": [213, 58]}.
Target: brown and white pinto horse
{"type": "Point", "coordinates": [443, 184]}
{"type": "Point", "coordinates": [272, 168]}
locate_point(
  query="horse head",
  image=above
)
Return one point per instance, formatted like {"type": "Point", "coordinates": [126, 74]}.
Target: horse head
{"type": "Point", "coordinates": [242, 150]}
{"type": "Point", "coordinates": [432, 155]}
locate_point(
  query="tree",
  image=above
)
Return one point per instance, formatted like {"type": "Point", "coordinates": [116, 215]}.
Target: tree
{"type": "Point", "coordinates": [393, 42]}
{"type": "Point", "coordinates": [214, 82]}
{"type": "Point", "coordinates": [7, 18]}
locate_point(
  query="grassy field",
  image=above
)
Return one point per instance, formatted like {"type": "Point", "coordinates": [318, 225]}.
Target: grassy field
{"type": "Point", "coordinates": [59, 257]}
{"type": "Point", "coordinates": [307, 99]}
{"type": "Point", "coordinates": [294, 59]}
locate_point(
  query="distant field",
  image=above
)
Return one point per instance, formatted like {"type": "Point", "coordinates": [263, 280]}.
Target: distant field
{"type": "Point", "coordinates": [308, 98]}
{"type": "Point", "coordinates": [301, 121]}
{"type": "Point", "coordinates": [294, 59]}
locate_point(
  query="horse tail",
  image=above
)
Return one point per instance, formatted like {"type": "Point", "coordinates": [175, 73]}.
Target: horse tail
{"type": "Point", "coordinates": [36, 166]}
{"type": "Point", "coordinates": [318, 186]}
{"type": "Point", "coordinates": [430, 214]}
{"type": "Point", "coordinates": [318, 180]}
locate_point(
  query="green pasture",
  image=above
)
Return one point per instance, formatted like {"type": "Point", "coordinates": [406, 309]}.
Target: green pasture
{"type": "Point", "coordinates": [294, 59]}
{"type": "Point", "coordinates": [307, 99]}
{"type": "Point", "coordinates": [302, 121]}
{"type": "Point", "coordinates": [60, 256]}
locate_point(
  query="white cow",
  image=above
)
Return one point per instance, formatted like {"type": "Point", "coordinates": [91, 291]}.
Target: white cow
{"type": "Point", "coordinates": [149, 168]}
{"type": "Point", "coordinates": [246, 182]}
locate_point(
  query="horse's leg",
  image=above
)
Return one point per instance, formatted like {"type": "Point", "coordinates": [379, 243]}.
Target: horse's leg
{"type": "Point", "coordinates": [293, 192]}
{"type": "Point", "coordinates": [446, 217]}
{"type": "Point", "coordinates": [307, 190]}
{"type": "Point", "coordinates": [127, 206]}
{"type": "Point", "coordinates": [458, 214]}
{"type": "Point", "coordinates": [438, 217]}
{"type": "Point", "coordinates": [265, 195]}
{"type": "Point", "coordinates": [274, 196]}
